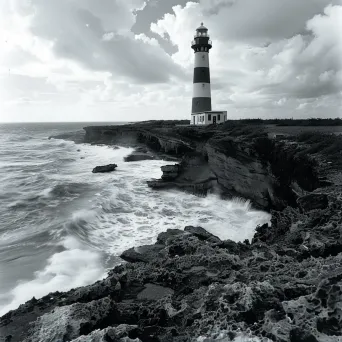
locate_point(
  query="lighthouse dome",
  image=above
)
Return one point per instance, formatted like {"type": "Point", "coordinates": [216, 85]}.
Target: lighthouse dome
{"type": "Point", "coordinates": [201, 28]}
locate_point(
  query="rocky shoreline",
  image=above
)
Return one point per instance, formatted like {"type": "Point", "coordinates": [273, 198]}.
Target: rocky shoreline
{"type": "Point", "coordinates": [284, 285]}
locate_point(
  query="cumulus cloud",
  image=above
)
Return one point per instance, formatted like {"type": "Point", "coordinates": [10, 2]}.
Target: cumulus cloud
{"type": "Point", "coordinates": [262, 20]}
{"type": "Point", "coordinates": [99, 38]}
{"type": "Point", "coordinates": [300, 61]}
{"type": "Point", "coordinates": [131, 59]}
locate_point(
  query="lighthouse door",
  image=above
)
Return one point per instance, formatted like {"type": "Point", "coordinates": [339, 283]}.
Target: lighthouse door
{"type": "Point", "coordinates": [214, 119]}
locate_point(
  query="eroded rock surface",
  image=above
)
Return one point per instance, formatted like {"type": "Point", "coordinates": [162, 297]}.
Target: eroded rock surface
{"type": "Point", "coordinates": [284, 285]}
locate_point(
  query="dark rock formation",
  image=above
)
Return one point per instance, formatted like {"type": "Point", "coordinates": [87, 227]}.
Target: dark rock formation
{"type": "Point", "coordinates": [191, 284]}
{"type": "Point", "coordinates": [105, 168]}
{"type": "Point", "coordinates": [142, 253]}
{"type": "Point", "coordinates": [234, 160]}
{"type": "Point", "coordinates": [313, 201]}
{"type": "Point", "coordinates": [285, 285]}
{"type": "Point", "coordinates": [137, 156]}
{"type": "Point", "coordinates": [170, 172]}
{"type": "Point", "coordinates": [192, 175]}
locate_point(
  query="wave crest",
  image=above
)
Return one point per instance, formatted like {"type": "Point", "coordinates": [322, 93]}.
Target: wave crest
{"type": "Point", "coordinates": [73, 267]}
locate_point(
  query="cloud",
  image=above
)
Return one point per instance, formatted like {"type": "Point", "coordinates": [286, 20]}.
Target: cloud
{"type": "Point", "coordinates": [99, 37]}
{"type": "Point", "coordinates": [300, 61]}
{"type": "Point", "coordinates": [131, 59]}
{"type": "Point", "coordinates": [262, 20]}
{"type": "Point", "coordinates": [79, 30]}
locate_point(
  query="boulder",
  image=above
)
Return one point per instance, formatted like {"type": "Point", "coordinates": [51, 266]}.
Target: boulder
{"type": "Point", "coordinates": [105, 168]}
{"type": "Point", "coordinates": [313, 201]}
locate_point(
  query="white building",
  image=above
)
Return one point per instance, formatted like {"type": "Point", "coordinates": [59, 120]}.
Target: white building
{"type": "Point", "coordinates": [208, 117]}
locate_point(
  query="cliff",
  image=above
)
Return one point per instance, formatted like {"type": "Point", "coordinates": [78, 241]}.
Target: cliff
{"type": "Point", "coordinates": [235, 160]}
{"type": "Point", "coordinates": [285, 285]}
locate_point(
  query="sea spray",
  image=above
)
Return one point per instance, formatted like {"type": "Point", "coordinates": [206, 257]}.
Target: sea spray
{"type": "Point", "coordinates": [73, 267]}
{"type": "Point", "coordinates": [62, 226]}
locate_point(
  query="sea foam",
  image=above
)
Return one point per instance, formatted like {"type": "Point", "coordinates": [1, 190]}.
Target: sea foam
{"type": "Point", "coordinates": [73, 267]}
{"type": "Point", "coordinates": [95, 217]}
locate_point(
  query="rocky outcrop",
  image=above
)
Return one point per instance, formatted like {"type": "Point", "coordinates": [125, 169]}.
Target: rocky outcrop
{"type": "Point", "coordinates": [241, 162]}
{"type": "Point", "coordinates": [284, 285]}
{"type": "Point", "coordinates": [192, 175]}
{"type": "Point", "coordinates": [104, 168]}
{"type": "Point", "coordinates": [313, 201]}
{"type": "Point", "coordinates": [160, 136]}
{"type": "Point", "coordinates": [241, 174]}
{"type": "Point", "coordinates": [190, 284]}
{"type": "Point", "coordinates": [170, 172]}
{"type": "Point", "coordinates": [234, 160]}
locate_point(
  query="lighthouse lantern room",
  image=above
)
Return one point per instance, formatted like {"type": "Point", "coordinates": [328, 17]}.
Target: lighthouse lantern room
{"type": "Point", "coordinates": [201, 113]}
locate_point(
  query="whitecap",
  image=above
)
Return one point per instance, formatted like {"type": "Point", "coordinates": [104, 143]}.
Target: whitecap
{"type": "Point", "coordinates": [73, 267]}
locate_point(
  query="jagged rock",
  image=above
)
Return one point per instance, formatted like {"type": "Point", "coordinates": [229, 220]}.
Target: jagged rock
{"type": "Point", "coordinates": [105, 168]}
{"type": "Point", "coordinates": [165, 237]}
{"type": "Point", "coordinates": [170, 172]}
{"type": "Point", "coordinates": [191, 175]}
{"type": "Point", "coordinates": [240, 173]}
{"type": "Point", "coordinates": [202, 234]}
{"type": "Point", "coordinates": [121, 333]}
{"type": "Point", "coordinates": [188, 285]}
{"type": "Point", "coordinates": [284, 286]}
{"type": "Point", "coordinates": [68, 322]}
{"type": "Point", "coordinates": [313, 201]}
{"type": "Point", "coordinates": [141, 254]}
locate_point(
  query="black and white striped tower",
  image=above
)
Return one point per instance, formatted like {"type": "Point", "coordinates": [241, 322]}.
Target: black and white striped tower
{"type": "Point", "coordinates": [201, 97]}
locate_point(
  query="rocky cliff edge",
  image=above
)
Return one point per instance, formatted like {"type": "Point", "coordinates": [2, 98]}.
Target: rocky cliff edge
{"type": "Point", "coordinates": [284, 285]}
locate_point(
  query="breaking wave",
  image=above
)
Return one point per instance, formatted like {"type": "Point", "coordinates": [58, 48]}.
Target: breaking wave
{"type": "Point", "coordinates": [73, 267]}
{"type": "Point", "coordinates": [61, 226]}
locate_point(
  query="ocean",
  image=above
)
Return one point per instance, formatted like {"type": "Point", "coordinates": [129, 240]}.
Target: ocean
{"type": "Point", "coordinates": [61, 226]}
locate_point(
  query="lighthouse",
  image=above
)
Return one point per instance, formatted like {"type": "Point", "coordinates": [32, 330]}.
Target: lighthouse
{"type": "Point", "coordinates": [201, 112]}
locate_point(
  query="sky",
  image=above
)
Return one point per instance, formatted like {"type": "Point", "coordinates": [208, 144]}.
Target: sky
{"type": "Point", "coordinates": [130, 60]}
